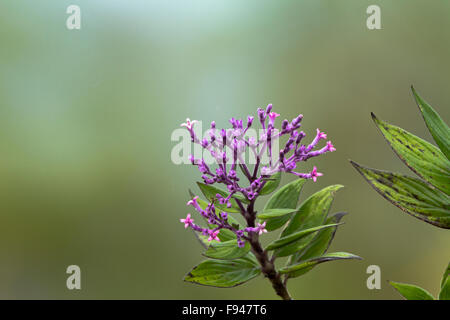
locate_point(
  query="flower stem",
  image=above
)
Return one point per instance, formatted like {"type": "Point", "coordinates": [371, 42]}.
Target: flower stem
{"type": "Point", "coordinates": [267, 265]}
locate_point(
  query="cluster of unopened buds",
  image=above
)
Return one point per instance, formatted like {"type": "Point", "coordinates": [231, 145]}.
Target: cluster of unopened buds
{"type": "Point", "coordinates": [221, 222]}
{"type": "Point", "coordinates": [237, 143]}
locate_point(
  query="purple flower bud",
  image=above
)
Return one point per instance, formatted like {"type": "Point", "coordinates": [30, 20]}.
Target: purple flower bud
{"type": "Point", "coordinates": [233, 123]}
{"type": "Point", "coordinates": [223, 133]}
{"type": "Point", "coordinates": [297, 120]}
{"type": "Point", "coordinates": [300, 136]}
{"type": "Point", "coordinates": [261, 115]}
{"type": "Point", "coordinates": [290, 166]}
{"type": "Point", "coordinates": [232, 174]}
{"type": "Point", "coordinates": [219, 172]}
{"type": "Point", "coordinates": [249, 121]}
{"type": "Point", "coordinates": [207, 180]}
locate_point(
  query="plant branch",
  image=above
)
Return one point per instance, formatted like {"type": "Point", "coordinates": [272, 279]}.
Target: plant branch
{"type": "Point", "coordinates": [246, 172]}
{"type": "Point", "coordinates": [267, 265]}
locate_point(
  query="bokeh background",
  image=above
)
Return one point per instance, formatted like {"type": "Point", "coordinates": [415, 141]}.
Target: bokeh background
{"type": "Point", "coordinates": [86, 119]}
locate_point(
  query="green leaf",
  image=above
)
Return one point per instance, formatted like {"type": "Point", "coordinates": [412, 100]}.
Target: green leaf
{"type": "Point", "coordinates": [285, 197]}
{"type": "Point", "coordinates": [318, 246]}
{"type": "Point", "coordinates": [445, 290]}
{"type": "Point", "coordinates": [312, 213]}
{"type": "Point", "coordinates": [444, 294]}
{"type": "Point", "coordinates": [224, 273]}
{"type": "Point", "coordinates": [227, 250]}
{"type": "Point", "coordinates": [411, 292]}
{"type": "Point", "coordinates": [226, 235]}
{"type": "Point", "coordinates": [410, 194]}
{"type": "Point", "coordinates": [317, 260]}
{"type": "Point", "coordinates": [445, 276]}
{"type": "Point", "coordinates": [272, 183]}
{"type": "Point", "coordinates": [210, 193]}
{"type": "Point", "coordinates": [422, 157]}
{"type": "Point", "coordinates": [274, 213]}
{"type": "Point", "coordinates": [285, 243]}
{"type": "Point", "coordinates": [437, 127]}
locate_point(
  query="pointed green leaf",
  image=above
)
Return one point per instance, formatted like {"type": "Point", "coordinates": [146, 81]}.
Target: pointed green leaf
{"type": "Point", "coordinates": [285, 245]}
{"type": "Point", "coordinates": [285, 197]}
{"type": "Point", "coordinates": [272, 183]}
{"type": "Point", "coordinates": [210, 193]}
{"type": "Point", "coordinates": [318, 246]}
{"type": "Point", "coordinates": [312, 213]}
{"type": "Point", "coordinates": [411, 292]}
{"type": "Point", "coordinates": [274, 213]}
{"type": "Point", "coordinates": [422, 157]}
{"type": "Point", "coordinates": [445, 276]}
{"type": "Point", "coordinates": [444, 294]}
{"type": "Point", "coordinates": [226, 235]}
{"type": "Point", "coordinates": [410, 194]}
{"type": "Point", "coordinates": [224, 273]}
{"type": "Point", "coordinates": [314, 261]}
{"type": "Point", "coordinates": [437, 127]}
{"type": "Point", "coordinates": [227, 250]}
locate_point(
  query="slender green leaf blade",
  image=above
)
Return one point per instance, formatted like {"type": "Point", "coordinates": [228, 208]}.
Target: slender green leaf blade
{"type": "Point", "coordinates": [422, 157]}
{"type": "Point", "coordinates": [445, 276]}
{"type": "Point", "coordinates": [227, 250]}
{"type": "Point", "coordinates": [271, 184]}
{"type": "Point", "coordinates": [312, 213]}
{"type": "Point", "coordinates": [317, 260]}
{"type": "Point", "coordinates": [285, 241]}
{"type": "Point", "coordinates": [318, 246]}
{"type": "Point", "coordinates": [410, 194]}
{"type": "Point", "coordinates": [274, 213]}
{"type": "Point", "coordinates": [226, 235]}
{"type": "Point", "coordinates": [444, 294]}
{"type": "Point", "coordinates": [285, 197]}
{"type": "Point", "coordinates": [224, 273]}
{"type": "Point", "coordinates": [437, 127]}
{"type": "Point", "coordinates": [411, 292]}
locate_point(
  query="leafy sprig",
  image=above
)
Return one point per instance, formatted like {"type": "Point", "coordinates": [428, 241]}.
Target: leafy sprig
{"type": "Point", "coordinates": [426, 198]}
{"type": "Point", "coordinates": [232, 227]}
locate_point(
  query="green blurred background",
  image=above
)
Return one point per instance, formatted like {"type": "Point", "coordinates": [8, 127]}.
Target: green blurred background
{"type": "Point", "coordinates": [86, 118]}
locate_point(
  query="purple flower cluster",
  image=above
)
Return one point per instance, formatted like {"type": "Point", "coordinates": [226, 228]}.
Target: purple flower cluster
{"type": "Point", "coordinates": [237, 143]}
{"type": "Point", "coordinates": [221, 221]}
